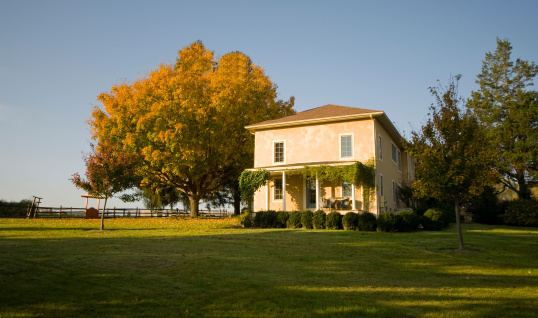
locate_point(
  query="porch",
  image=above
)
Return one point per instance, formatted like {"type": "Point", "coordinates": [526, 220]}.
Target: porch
{"type": "Point", "coordinates": [288, 190]}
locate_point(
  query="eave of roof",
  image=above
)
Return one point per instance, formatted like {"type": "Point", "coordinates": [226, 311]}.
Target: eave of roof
{"type": "Point", "coordinates": [319, 116]}
{"type": "Point", "coordinates": [323, 114]}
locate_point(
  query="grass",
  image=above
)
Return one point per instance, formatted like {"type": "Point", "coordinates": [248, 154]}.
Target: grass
{"type": "Point", "coordinates": [213, 268]}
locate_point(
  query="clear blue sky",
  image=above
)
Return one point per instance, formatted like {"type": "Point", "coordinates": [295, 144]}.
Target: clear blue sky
{"type": "Point", "coordinates": [57, 56]}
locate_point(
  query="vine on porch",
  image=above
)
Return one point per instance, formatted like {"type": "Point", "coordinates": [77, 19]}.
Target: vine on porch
{"type": "Point", "coordinates": [250, 182]}
{"type": "Point", "coordinates": [361, 174]}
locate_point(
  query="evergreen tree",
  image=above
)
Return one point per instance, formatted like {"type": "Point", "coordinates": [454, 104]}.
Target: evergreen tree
{"type": "Point", "coordinates": [509, 112]}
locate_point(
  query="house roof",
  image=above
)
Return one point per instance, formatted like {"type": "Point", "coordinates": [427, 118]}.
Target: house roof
{"type": "Point", "coordinates": [325, 113]}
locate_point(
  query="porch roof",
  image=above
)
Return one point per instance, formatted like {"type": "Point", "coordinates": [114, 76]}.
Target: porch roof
{"type": "Point", "coordinates": [303, 164]}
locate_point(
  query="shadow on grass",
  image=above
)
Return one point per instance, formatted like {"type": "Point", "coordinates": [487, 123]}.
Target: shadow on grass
{"type": "Point", "coordinates": [267, 273]}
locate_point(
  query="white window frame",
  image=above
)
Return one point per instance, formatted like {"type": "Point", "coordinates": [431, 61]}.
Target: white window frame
{"type": "Point", "coordinates": [284, 154]}
{"type": "Point", "coordinates": [380, 147]}
{"type": "Point", "coordinates": [281, 190]}
{"type": "Point", "coordinates": [340, 145]}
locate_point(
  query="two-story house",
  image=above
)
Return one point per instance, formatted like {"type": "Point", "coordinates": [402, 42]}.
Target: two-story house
{"type": "Point", "coordinates": [329, 135]}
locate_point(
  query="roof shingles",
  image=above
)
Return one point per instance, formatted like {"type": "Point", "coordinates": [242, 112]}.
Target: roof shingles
{"type": "Point", "coordinates": [327, 111]}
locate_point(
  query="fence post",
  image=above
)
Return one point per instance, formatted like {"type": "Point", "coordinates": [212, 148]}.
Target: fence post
{"type": "Point", "coordinates": [60, 211]}
{"type": "Point", "coordinates": [114, 211]}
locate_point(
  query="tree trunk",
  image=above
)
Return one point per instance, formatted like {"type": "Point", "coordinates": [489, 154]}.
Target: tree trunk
{"type": "Point", "coordinates": [237, 201]}
{"type": "Point", "coordinates": [523, 191]}
{"type": "Point", "coordinates": [458, 223]}
{"type": "Point", "coordinates": [103, 215]}
{"type": "Point", "coordinates": [194, 203]}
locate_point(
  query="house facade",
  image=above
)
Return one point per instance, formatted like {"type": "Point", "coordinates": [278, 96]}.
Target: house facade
{"type": "Point", "coordinates": [330, 135]}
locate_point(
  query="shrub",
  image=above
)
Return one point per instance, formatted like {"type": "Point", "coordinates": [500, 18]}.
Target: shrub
{"type": "Point", "coordinates": [282, 218]}
{"type": "Point", "coordinates": [406, 221]}
{"type": "Point", "coordinates": [486, 208]}
{"type": "Point", "coordinates": [333, 221]}
{"type": "Point", "coordinates": [266, 219]}
{"type": "Point", "coordinates": [350, 221]}
{"type": "Point", "coordinates": [367, 222]}
{"type": "Point", "coordinates": [434, 219]}
{"type": "Point", "coordinates": [294, 220]}
{"type": "Point", "coordinates": [246, 219]}
{"type": "Point", "coordinates": [522, 213]}
{"type": "Point", "coordinates": [318, 220]}
{"type": "Point", "coordinates": [306, 219]}
{"type": "Point", "coordinates": [386, 222]}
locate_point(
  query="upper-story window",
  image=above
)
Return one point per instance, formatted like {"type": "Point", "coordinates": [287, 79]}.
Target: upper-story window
{"type": "Point", "coordinates": [279, 152]}
{"type": "Point", "coordinates": [380, 146]}
{"type": "Point", "coordinates": [394, 156]}
{"type": "Point", "coordinates": [399, 160]}
{"type": "Point", "coordinates": [346, 146]}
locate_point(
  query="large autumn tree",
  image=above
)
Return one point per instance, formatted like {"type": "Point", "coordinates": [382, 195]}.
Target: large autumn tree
{"type": "Point", "coordinates": [454, 161]}
{"type": "Point", "coordinates": [509, 111]}
{"type": "Point", "coordinates": [186, 121]}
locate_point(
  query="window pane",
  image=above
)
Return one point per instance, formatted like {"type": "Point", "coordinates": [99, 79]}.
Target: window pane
{"type": "Point", "coordinates": [380, 149]}
{"type": "Point", "coordinates": [279, 152]}
{"type": "Point", "coordinates": [278, 189]}
{"type": "Point", "coordinates": [399, 160]}
{"type": "Point", "coordinates": [393, 152]}
{"type": "Point", "coordinates": [345, 145]}
{"type": "Point", "coordinates": [346, 190]}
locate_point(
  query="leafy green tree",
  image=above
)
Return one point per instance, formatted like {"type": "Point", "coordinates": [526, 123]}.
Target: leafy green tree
{"type": "Point", "coordinates": [187, 121]}
{"type": "Point", "coordinates": [108, 171]}
{"type": "Point", "coordinates": [510, 114]}
{"type": "Point", "coordinates": [454, 162]}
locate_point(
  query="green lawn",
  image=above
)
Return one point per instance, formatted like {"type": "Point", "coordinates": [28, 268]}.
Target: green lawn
{"type": "Point", "coordinates": [213, 268]}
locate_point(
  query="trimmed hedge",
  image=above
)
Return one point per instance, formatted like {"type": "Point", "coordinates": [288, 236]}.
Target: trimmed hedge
{"type": "Point", "coordinates": [294, 220]}
{"type": "Point", "coordinates": [306, 219]}
{"type": "Point", "coordinates": [350, 221]}
{"type": "Point", "coordinates": [522, 213]}
{"type": "Point", "coordinates": [367, 222]}
{"type": "Point", "coordinates": [268, 219]}
{"type": "Point", "coordinates": [386, 222]}
{"type": "Point", "coordinates": [333, 221]}
{"type": "Point", "coordinates": [318, 220]}
{"type": "Point", "coordinates": [282, 218]}
{"type": "Point", "coordinates": [406, 221]}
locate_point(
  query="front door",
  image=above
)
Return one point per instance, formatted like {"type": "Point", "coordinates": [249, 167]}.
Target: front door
{"type": "Point", "coordinates": [310, 193]}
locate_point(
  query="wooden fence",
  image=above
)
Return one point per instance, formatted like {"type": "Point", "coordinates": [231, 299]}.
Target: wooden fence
{"type": "Point", "coordinates": [21, 211]}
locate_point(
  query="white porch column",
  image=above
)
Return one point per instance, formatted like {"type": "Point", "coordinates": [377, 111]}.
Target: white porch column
{"type": "Point", "coordinates": [268, 197]}
{"type": "Point", "coordinates": [353, 197]}
{"type": "Point", "coordinates": [283, 191]}
{"type": "Point", "coordinates": [317, 194]}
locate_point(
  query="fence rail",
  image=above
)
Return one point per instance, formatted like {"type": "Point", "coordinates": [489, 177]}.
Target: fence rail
{"type": "Point", "coordinates": [20, 211]}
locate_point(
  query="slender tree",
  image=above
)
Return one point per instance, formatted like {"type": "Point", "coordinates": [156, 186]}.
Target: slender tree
{"type": "Point", "coordinates": [187, 121]}
{"type": "Point", "coordinates": [108, 171]}
{"type": "Point", "coordinates": [454, 162]}
{"type": "Point", "coordinates": [510, 114]}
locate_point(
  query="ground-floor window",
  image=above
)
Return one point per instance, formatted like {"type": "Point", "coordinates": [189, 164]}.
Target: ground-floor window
{"type": "Point", "coordinates": [278, 189]}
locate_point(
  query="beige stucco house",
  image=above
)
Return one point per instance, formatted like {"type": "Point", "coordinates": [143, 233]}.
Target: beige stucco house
{"type": "Point", "coordinates": [329, 135]}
